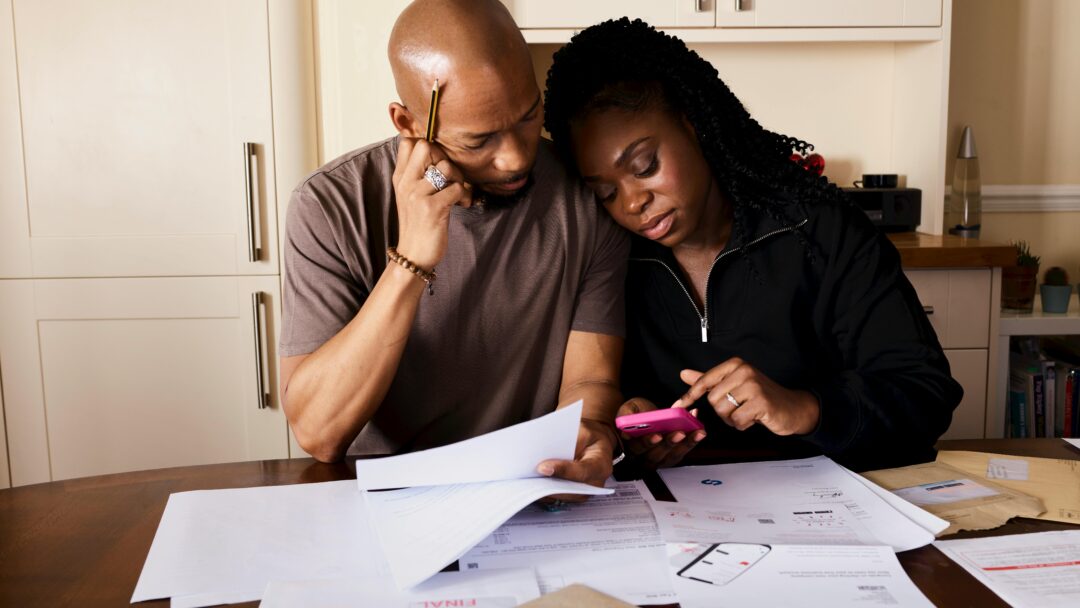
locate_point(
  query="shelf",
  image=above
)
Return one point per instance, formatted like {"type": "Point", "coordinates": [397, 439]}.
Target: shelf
{"type": "Point", "coordinates": [1039, 323]}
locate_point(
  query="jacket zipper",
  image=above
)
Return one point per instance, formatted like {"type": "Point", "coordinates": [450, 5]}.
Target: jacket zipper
{"type": "Point", "coordinates": [704, 315]}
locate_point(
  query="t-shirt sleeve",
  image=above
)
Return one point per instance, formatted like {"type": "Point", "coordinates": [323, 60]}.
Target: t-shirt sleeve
{"type": "Point", "coordinates": [600, 304]}
{"type": "Point", "coordinates": [320, 293]}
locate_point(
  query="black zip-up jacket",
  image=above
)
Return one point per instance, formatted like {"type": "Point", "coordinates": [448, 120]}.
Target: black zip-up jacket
{"type": "Point", "coordinates": [831, 313]}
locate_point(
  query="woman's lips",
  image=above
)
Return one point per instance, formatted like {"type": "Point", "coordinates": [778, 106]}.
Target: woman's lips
{"type": "Point", "coordinates": [659, 227]}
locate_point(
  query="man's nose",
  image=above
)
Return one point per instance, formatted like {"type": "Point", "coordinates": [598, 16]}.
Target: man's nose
{"type": "Point", "coordinates": [513, 154]}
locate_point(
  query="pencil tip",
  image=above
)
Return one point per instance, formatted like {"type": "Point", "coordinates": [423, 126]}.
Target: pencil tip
{"type": "Point", "coordinates": [435, 87]}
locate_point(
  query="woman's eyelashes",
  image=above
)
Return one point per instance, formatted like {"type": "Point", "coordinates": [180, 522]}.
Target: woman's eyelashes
{"type": "Point", "coordinates": [649, 169]}
{"type": "Point", "coordinates": [643, 168]}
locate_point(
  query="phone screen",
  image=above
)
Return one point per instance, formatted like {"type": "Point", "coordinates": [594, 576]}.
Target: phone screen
{"type": "Point", "coordinates": [721, 563]}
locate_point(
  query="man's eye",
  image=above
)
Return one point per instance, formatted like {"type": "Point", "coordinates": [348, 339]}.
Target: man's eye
{"type": "Point", "coordinates": [478, 144]}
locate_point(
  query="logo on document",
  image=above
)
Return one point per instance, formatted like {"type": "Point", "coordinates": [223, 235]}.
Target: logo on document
{"type": "Point", "coordinates": [711, 482]}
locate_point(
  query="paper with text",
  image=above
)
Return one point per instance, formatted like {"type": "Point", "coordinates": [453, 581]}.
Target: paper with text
{"type": "Point", "coordinates": [765, 486]}
{"type": "Point", "coordinates": [609, 543]}
{"type": "Point", "coordinates": [1040, 570]}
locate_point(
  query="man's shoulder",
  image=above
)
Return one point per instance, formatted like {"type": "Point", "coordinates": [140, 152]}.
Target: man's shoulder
{"type": "Point", "coordinates": [372, 162]}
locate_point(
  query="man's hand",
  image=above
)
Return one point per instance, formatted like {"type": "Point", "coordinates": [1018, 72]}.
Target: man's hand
{"type": "Point", "coordinates": [592, 460]}
{"type": "Point", "coordinates": [423, 211]}
{"type": "Point", "coordinates": [656, 450]}
{"type": "Point", "coordinates": [743, 396]}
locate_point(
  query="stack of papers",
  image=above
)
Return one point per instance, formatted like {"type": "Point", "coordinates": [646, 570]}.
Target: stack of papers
{"type": "Point", "coordinates": [464, 491]}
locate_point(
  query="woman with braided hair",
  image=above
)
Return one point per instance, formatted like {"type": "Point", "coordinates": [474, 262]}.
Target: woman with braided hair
{"type": "Point", "coordinates": [755, 292]}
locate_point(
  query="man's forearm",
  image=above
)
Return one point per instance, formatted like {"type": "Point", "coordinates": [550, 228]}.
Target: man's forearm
{"type": "Point", "coordinates": [601, 400]}
{"type": "Point", "coordinates": [337, 389]}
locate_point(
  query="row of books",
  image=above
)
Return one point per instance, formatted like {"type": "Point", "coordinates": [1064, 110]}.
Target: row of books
{"type": "Point", "coordinates": [1044, 390]}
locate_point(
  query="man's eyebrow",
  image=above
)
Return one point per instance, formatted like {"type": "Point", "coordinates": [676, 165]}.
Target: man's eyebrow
{"type": "Point", "coordinates": [621, 160]}
{"type": "Point", "coordinates": [531, 109]}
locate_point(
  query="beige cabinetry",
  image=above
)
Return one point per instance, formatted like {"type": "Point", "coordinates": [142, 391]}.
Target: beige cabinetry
{"type": "Point", "coordinates": [959, 303]}
{"type": "Point", "coordinates": [532, 14]}
{"type": "Point", "coordinates": [828, 13]}
{"type": "Point", "coordinates": [147, 147]}
{"type": "Point", "coordinates": [108, 375]}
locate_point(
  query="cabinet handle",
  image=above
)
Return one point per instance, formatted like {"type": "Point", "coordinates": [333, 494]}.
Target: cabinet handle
{"type": "Point", "coordinates": [738, 5]}
{"type": "Point", "coordinates": [254, 249]}
{"type": "Point", "coordinates": [699, 6]}
{"type": "Point", "coordinates": [928, 310]}
{"type": "Point", "coordinates": [257, 302]}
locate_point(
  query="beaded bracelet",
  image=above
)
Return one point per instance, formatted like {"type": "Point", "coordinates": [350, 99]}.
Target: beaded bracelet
{"type": "Point", "coordinates": [392, 255]}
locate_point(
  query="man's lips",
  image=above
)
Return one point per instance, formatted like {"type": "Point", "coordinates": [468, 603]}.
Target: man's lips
{"type": "Point", "coordinates": [657, 226]}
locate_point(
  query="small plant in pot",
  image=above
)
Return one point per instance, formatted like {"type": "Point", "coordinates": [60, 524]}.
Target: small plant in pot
{"type": "Point", "coordinates": [1055, 290]}
{"type": "Point", "coordinates": [1018, 282]}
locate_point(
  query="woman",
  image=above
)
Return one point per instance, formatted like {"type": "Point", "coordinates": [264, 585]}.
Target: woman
{"type": "Point", "coordinates": [755, 292]}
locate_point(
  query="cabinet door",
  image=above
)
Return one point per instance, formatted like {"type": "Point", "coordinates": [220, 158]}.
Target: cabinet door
{"type": "Point", "coordinates": [828, 13]}
{"type": "Point", "coordinates": [958, 304]}
{"type": "Point", "coordinates": [136, 115]}
{"type": "Point", "coordinates": [579, 15]}
{"type": "Point", "coordinates": [969, 369]}
{"type": "Point", "coordinates": [5, 473]}
{"type": "Point", "coordinates": [109, 375]}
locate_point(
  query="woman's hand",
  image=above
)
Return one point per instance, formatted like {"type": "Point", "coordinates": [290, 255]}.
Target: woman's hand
{"type": "Point", "coordinates": [743, 396]}
{"type": "Point", "coordinates": [656, 450]}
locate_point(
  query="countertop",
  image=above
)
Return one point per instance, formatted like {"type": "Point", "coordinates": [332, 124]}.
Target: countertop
{"type": "Point", "coordinates": [918, 250]}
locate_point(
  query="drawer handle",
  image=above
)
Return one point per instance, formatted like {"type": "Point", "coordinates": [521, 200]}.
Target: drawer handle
{"type": "Point", "coordinates": [928, 310]}
{"type": "Point", "coordinates": [738, 5]}
{"type": "Point", "coordinates": [254, 249]}
{"type": "Point", "coordinates": [257, 303]}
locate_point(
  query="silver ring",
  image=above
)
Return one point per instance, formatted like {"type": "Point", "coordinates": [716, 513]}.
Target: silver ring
{"type": "Point", "coordinates": [731, 399]}
{"type": "Point", "coordinates": [435, 177]}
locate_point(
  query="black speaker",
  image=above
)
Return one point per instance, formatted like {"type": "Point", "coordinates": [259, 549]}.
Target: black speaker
{"type": "Point", "coordinates": [890, 209]}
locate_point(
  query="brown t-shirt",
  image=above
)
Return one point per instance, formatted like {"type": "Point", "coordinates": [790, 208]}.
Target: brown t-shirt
{"type": "Point", "coordinates": [486, 350]}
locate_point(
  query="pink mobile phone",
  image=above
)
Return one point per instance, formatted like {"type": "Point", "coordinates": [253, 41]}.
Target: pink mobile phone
{"type": "Point", "coordinates": [658, 421]}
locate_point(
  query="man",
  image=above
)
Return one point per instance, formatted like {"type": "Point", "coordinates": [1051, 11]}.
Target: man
{"type": "Point", "coordinates": [503, 295]}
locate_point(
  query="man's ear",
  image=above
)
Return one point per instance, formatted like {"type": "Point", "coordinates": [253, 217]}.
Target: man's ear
{"type": "Point", "coordinates": [404, 121]}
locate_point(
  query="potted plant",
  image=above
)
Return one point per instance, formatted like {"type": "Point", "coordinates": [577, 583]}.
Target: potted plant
{"type": "Point", "coordinates": [1018, 282]}
{"type": "Point", "coordinates": [1055, 290]}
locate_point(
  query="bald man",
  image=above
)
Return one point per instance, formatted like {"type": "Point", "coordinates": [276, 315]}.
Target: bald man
{"type": "Point", "coordinates": [525, 312]}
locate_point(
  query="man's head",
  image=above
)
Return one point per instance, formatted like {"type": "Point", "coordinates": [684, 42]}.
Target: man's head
{"type": "Point", "coordinates": [489, 114]}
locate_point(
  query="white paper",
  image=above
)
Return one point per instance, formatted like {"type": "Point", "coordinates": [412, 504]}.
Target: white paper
{"type": "Point", "coordinates": [1007, 468]}
{"type": "Point", "coordinates": [944, 492]}
{"type": "Point", "coordinates": [834, 576]}
{"type": "Point", "coordinates": [1070, 441]}
{"type": "Point", "coordinates": [423, 529]}
{"type": "Point", "coordinates": [477, 589]}
{"type": "Point", "coordinates": [787, 483]}
{"type": "Point", "coordinates": [1040, 570]}
{"type": "Point", "coordinates": [217, 546]}
{"type": "Point", "coordinates": [818, 524]}
{"type": "Point", "coordinates": [609, 543]}
{"type": "Point", "coordinates": [509, 453]}
{"type": "Point", "coordinates": [923, 518]}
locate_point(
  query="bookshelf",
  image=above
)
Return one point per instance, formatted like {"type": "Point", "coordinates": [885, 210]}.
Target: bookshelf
{"type": "Point", "coordinates": [1035, 323]}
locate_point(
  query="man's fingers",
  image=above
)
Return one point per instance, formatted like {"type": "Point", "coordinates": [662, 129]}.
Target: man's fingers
{"type": "Point", "coordinates": [418, 160]}
{"type": "Point", "coordinates": [404, 153]}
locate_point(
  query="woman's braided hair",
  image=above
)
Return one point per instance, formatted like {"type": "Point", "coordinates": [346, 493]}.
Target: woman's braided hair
{"type": "Point", "coordinates": [629, 65]}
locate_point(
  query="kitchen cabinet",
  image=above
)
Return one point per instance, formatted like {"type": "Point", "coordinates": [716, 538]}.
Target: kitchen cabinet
{"type": "Point", "coordinates": [5, 472]}
{"type": "Point", "coordinates": [959, 304]}
{"type": "Point", "coordinates": [110, 375]}
{"type": "Point", "coordinates": [148, 149]}
{"type": "Point", "coordinates": [828, 13]}
{"type": "Point", "coordinates": [530, 14]}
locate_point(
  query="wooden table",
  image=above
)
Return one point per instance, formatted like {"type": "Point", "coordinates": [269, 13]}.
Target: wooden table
{"type": "Point", "coordinates": [83, 542]}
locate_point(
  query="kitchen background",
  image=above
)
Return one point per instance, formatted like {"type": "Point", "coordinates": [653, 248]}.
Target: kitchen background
{"type": "Point", "coordinates": [139, 271]}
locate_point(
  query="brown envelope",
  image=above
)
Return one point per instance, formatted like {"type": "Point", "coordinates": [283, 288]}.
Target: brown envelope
{"type": "Point", "coordinates": [574, 596]}
{"type": "Point", "coordinates": [1055, 481]}
{"type": "Point", "coordinates": [967, 501]}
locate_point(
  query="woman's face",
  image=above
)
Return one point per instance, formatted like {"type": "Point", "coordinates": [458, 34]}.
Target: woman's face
{"type": "Point", "coordinates": [648, 171]}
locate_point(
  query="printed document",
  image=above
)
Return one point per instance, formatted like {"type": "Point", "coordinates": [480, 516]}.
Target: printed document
{"type": "Point", "coordinates": [1040, 570]}
{"type": "Point", "coordinates": [609, 543]}
{"type": "Point", "coordinates": [218, 546]}
{"type": "Point", "coordinates": [786, 484]}
{"type": "Point", "coordinates": [730, 575]}
{"type": "Point", "coordinates": [479, 589]}
{"type": "Point", "coordinates": [811, 524]}
{"type": "Point", "coordinates": [424, 529]}
{"type": "Point", "coordinates": [509, 453]}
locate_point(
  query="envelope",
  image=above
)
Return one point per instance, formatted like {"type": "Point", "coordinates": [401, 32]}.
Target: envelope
{"type": "Point", "coordinates": [965, 500]}
{"type": "Point", "coordinates": [1055, 481]}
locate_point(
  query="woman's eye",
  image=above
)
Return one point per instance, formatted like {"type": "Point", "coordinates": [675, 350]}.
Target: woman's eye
{"type": "Point", "coordinates": [654, 164]}
{"type": "Point", "coordinates": [604, 195]}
